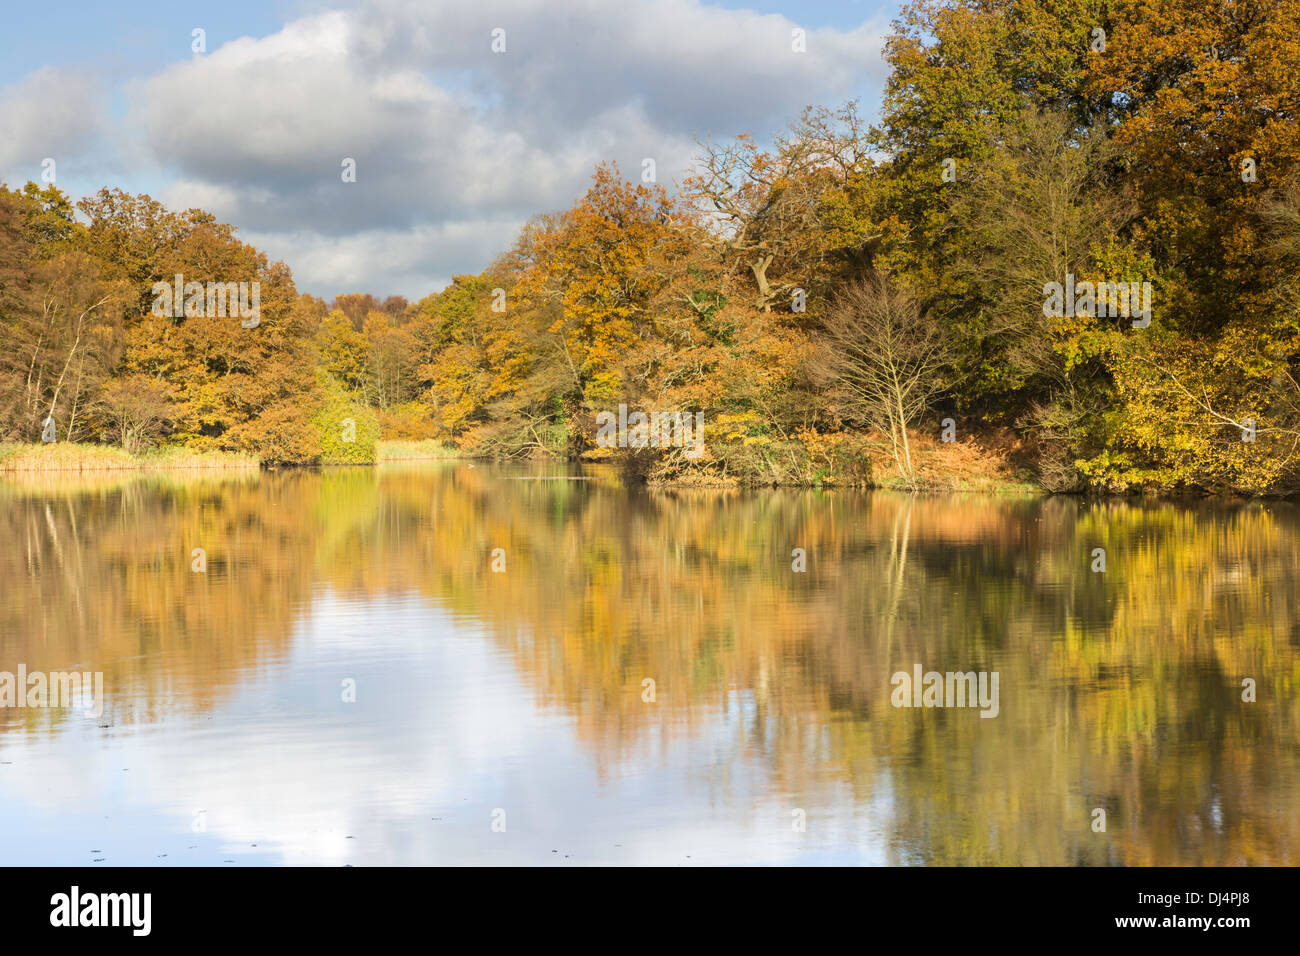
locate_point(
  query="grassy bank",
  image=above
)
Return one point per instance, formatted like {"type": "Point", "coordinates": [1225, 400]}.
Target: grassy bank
{"type": "Point", "coordinates": [408, 450]}
{"type": "Point", "coordinates": [993, 464]}
{"type": "Point", "coordinates": [957, 468]}
{"type": "Point", "coordinates": [65, 456]}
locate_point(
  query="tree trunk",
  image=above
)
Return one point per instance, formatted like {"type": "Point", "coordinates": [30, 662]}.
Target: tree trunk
{"type": "Point", "coordinates": [759, 268]}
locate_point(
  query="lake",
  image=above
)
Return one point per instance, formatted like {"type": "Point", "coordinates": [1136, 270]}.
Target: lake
{"type": "Point", "coordinates": [449, 663]}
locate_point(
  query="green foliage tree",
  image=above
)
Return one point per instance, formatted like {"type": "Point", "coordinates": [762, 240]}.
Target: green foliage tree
{"type": "Point", "coordinates": [347, 429]}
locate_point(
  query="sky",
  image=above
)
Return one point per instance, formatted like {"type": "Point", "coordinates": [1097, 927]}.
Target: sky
{"type": "Point", "coordinates": [455, 146]}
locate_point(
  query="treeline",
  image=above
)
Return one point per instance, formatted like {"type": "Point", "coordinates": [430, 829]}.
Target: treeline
{"type": "Point", "coordinates": [856, 294]}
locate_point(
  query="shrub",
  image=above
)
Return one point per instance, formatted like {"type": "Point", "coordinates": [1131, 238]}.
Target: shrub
{"type": "Point", "coordinates": [347, 430]}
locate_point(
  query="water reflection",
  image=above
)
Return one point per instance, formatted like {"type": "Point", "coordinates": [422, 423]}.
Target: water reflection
{"type": "Point", "coordinates": [226, 736]}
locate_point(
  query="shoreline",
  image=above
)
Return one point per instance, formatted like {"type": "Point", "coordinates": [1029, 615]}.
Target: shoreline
{"type": "Point", "coordinates": [61, 460]}
{"type": "Point", "coordinates": [75, 458]}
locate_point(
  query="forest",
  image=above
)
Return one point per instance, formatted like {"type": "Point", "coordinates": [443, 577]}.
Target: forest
{"type": "Point", "coordinates": [857, 303]}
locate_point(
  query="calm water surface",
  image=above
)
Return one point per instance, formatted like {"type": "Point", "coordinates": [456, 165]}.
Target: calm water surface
{"type": "Point", "coordinates": [226, 738]}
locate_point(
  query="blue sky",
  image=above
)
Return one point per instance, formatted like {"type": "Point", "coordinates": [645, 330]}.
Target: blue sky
{"type": "Point", "coordinates": [455, 147]}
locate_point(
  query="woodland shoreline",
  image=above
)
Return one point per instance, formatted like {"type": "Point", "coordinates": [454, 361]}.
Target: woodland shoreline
{"type": "Point", "coordinates": [32, 460]}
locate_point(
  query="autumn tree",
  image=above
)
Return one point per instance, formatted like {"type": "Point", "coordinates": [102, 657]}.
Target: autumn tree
{"type": "Point", "coordinates": [17, 317]}
{"type": "Point", "coordinates": [135, 410]}
{"type": "Point", "coordinates": [62, 317]}
{"type": "Point", "coordinates": [356, 306]}
{"type": "Point", "coordinates": [343, 351]}
{"type": "Point", "coordinates": [888, 357]}
{"type": "Point", "coordinates": [237, 382]}
{"type": "Point", "coordinates": [784, 215]}
{"type": "Point", "coordinates": [594, 271]}
{"type": "Point", "coordinates": [79, 338]}
{"type": "Point", "coordinates": [390, 361]}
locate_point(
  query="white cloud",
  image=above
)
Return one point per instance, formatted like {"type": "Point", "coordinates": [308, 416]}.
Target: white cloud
{"type": "Point", "coordinates": [51, 113]}
{"type": "Point", "coordinates": [413, 262]}
{"type": "Point", "coordinates": [456, 146]}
